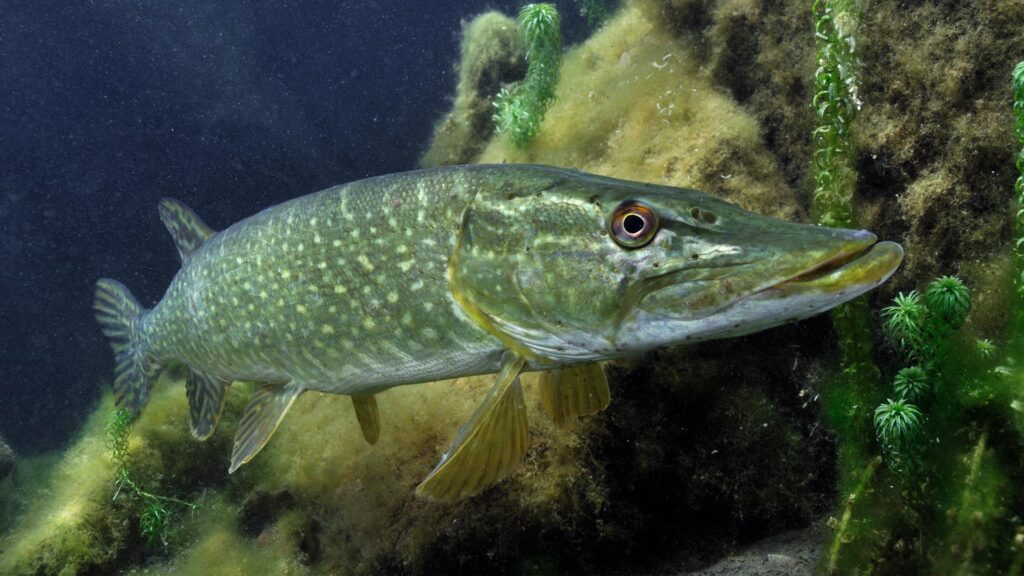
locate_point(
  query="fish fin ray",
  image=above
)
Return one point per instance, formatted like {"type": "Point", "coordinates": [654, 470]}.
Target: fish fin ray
{"type": "Point", "coordinates": [120, 318]}
{"type": "Point", "coordinates": [186, 228]}
{"type": "Point", "coordinates": [206, 396]}
{"type": "Point", "coordinates": [262, 417]}
{"type": "Point", "coordinates": [574, 391]}
{"type": "Point", "coordinates": [368, 416]}
{"type": "Point", "coordinates": [489, 446]}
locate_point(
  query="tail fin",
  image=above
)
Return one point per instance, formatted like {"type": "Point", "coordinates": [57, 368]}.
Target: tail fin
{"type": "Point", "coordinates": [120, 318]}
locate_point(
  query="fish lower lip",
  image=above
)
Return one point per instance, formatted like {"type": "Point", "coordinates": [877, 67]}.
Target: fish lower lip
{"type": "Point", "coordinates": [868, 265]}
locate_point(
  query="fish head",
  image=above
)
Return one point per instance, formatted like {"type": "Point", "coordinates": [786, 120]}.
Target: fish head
{"type": "Point", "coordinates": [573, 267]}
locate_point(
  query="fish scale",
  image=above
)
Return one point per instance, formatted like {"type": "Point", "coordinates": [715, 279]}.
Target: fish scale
{"type": "Point", "coordinates": [459, 271]}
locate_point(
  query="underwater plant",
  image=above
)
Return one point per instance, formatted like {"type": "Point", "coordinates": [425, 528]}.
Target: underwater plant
{"type": "Point", "coordinates": [921, 330]}
{"type": "Point", "coordinates": [836, 104]}
{"type": "Point", "coordinates": [521, 106]}
{"type": "Point", "coordinates": [898, 422]}
{"type": "Point", "coordinates": [1018, 221]}
{"type": "Point", "coordinates": [910, 383]}
{"type": "Point", "coordinates": [155, 510]}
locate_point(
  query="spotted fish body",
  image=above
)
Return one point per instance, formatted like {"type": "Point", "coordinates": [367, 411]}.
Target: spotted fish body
{"type": "Point", "coordinates": [459, 271]}
{"type": "Point", "coordinates": [345, 291]}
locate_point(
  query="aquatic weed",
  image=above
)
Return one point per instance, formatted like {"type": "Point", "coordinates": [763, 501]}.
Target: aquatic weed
{"type": "Point", "coordinates": [155, 508]}
{"type": "Point", "coordinates": [520, 108]}
{"type": "Point", "coordinates": [911, 383]}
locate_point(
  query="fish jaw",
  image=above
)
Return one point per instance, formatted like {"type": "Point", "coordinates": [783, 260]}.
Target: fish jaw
{"type": "Point", "coordinates": [818, 289]}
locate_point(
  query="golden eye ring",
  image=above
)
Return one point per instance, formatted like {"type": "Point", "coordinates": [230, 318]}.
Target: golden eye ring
{"type": "Point", "coordinates": [634, 224]}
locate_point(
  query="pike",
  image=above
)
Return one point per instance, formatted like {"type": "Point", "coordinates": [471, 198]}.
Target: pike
{"type": "Point", "coordinates": [450, 272]}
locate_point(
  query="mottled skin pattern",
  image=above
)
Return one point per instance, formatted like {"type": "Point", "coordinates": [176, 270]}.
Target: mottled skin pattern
{"type": "Point", "coordinates": [426, 275]}
{"type": "Point", "coordinates": [345, 291]}
{"type": "Point", "coordinates": [466, 270]}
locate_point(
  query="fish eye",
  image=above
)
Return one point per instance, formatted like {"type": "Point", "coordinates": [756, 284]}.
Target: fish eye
{"type": "Point", "coordinates": [633, 224]}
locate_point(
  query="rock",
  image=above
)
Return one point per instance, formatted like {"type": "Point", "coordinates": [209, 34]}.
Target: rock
{"type": "Point", "coordinates": [261, 509]}
{"type": "Point", "coordinates": [492, 56]}
{"type": "Point", "coordinates": [792, 553]}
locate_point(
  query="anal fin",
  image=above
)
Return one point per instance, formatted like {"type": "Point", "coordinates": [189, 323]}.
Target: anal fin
{"type": "Point", "coordinates": [489, 446]}
{"type": "Point", "coordinates": [262, 417]}
{"type": "Point", "coordinates": [368, 416]}
{"type": "Point", "coordinates": [206, 395]}
{"type": "Point", "coordinates": [574, 391]}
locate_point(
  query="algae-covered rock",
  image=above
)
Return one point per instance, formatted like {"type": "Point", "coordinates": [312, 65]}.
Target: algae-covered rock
{"type": "Point", "coordinates": [6, 459]}
{"type": "Point", "coordinates": [493, 55]}
{"type": "Point", "coordinates": [74, 519]}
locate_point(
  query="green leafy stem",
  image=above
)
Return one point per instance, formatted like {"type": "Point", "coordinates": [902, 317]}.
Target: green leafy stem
{"type": "Point", "coordinates": [520, 108]}
{"type": "Point", "coordinates": [156, 509]}
{"type": "Point", "coordinates": [836, 103]}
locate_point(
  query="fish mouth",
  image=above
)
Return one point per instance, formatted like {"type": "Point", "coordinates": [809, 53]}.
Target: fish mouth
{"type": "Point", "coordinates": [859, 268]}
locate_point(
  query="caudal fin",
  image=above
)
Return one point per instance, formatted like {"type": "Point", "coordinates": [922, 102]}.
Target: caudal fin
{"type": "Point", "coordinates": [120, 318]}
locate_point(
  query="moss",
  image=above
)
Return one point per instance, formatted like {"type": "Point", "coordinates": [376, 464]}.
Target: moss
{"type": "Point", "coordinates": [222, 549]}
{"type": "Point", "coordinates": [71, 523]}
{"type": "Point", "coordinates": [493, 56]}
{"type": "Point", "coordinates": [633, 104]}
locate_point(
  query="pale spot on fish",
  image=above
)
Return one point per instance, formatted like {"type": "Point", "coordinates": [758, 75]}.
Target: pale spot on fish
{"type": "Point", "coordinates": [392, 297]}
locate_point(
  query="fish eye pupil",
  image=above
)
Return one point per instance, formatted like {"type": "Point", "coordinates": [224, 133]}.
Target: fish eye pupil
{"type": "Point", "coordinates": [633, 223]}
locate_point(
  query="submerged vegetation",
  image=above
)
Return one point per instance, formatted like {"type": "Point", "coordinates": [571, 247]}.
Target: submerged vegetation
{"type": "Point", "coordinates": [520, 108]}
{"type": "Point", "coordinates": [156, 509]}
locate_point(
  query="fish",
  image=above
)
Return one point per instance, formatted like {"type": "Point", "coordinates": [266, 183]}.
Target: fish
{"type": "Point", "coordinates": [458, 271]}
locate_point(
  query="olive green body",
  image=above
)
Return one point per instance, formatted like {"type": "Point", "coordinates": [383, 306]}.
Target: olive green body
{"type": "Point", "coordinates": [345, 290]}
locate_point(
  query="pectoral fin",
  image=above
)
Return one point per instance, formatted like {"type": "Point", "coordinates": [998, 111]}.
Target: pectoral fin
{"type": "Point", "coordinates": [489, 446]}
{"type": "Point", "coordinates": [262, 416]}
{"type": "Point", "coordinates": [368, 416]}
{"type": "Point", "coordinates": [574, 391]}
{"type": "Point", "coordinates": [205, 402]}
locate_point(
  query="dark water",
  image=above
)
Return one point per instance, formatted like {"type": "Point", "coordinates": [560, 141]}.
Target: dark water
{"type": "Point", "coordinates": [107, 106]}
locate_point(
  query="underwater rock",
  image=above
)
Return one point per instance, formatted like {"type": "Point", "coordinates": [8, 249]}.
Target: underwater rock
{"type": "Point", "coordinates": [6, 459]}
{"type": "Point", "coordinates": [259, 509]}
{"type": "Point", "coordinates": [493, 56]}
{"type": "Point", "coordinates": [633, 103]}
{"type": "Point", "coordinates": [792, 553]}
{"type": "Point", "coordinates": [933, 144]}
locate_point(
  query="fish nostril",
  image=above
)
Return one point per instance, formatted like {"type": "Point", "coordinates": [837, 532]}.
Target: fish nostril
{"type": "Point", "coordinates": [702, 215]}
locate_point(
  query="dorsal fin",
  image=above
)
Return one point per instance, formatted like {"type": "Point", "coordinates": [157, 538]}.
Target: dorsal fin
{"type": "Point", "coordinates": [187, 229]}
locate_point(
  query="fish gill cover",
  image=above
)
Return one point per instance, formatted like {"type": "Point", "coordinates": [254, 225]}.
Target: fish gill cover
{"type": "Point", "coordinates": [702, 449]}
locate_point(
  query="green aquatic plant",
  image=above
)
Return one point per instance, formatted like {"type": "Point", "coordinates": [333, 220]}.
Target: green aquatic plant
{"type": "Point", "coordinates": [898, 423]}
{"type": "Point", "coordinates": [911, 383]}
{"type": "Point", "coordinates": [903, 321]}
{"type": "Point", "coordinates": [1018, 221]}
{"type": "Point", "coordinates": [836, 103]}
{"type": "Point", "coordinates": [949, 301]}
{"type": "Point", "coordinates": [921, 326]}
{"type": "Point", "coordinates": [520, 108]}
{"type": "Point", "coordinates": [155, 510]}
